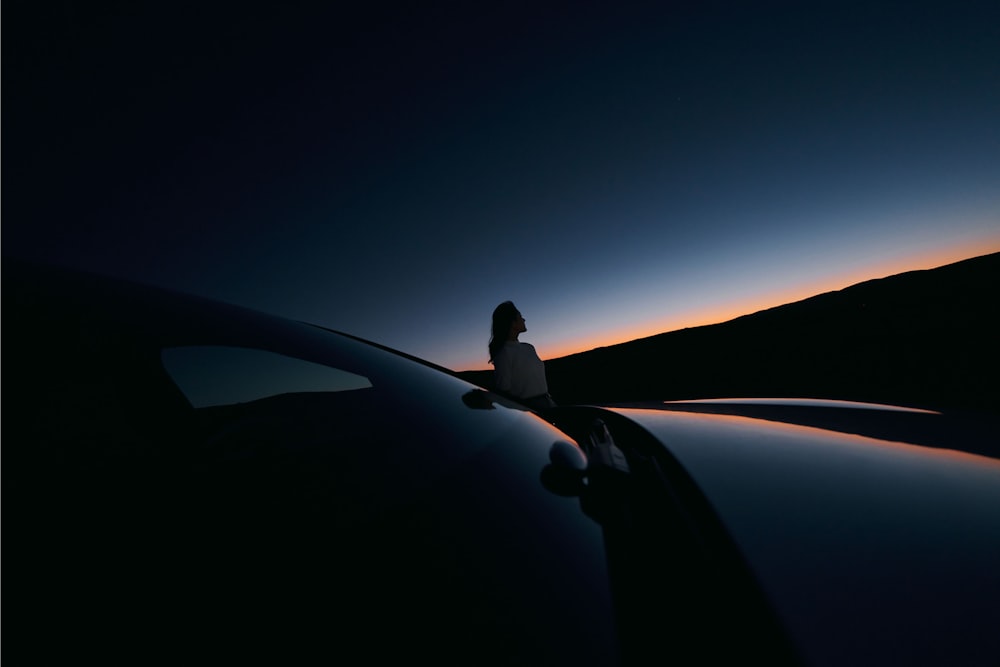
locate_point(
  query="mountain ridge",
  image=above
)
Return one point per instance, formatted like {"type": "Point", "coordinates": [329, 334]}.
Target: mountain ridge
{"type": "Point", "coordinates": [925, 338]}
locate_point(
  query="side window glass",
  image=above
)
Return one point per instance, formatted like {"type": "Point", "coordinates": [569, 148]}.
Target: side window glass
{"type": "Point", "coordinates": [212, 375]}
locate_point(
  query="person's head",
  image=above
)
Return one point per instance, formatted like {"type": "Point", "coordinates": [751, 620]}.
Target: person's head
{"type": "Point", "coordinates": [507, 324]}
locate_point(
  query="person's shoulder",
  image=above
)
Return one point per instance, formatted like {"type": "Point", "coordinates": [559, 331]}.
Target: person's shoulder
{"type": "Point", "coordinates": [503, 351]}
{"type": "Point", "coordinates": [516, 348]}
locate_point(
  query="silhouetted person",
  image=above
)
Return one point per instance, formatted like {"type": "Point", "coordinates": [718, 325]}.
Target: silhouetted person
{"type": "Point", "coordinates": [517, 370]}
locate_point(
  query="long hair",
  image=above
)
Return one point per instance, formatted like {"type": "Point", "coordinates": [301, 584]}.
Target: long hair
{"type": "Point", "coordinates": [503, 318]}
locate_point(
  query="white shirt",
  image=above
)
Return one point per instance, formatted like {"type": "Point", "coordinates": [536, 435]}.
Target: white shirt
{"type": "Point", "coordinates": [518, 371]}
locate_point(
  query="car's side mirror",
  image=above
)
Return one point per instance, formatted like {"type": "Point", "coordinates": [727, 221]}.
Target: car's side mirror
{"type": "Point", "coordinates": [565, 474]}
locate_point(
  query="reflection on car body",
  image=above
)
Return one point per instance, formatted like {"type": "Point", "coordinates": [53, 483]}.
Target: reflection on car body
{"type": "Point", "coordinates": [193, 480]}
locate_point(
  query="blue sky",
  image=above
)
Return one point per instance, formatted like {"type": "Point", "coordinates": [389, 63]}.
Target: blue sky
{"type": "Point", "coordinates": [616, 169]}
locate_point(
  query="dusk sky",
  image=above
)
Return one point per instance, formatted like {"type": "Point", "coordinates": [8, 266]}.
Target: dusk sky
{"type": "Point", "coordinates": [616, 169]}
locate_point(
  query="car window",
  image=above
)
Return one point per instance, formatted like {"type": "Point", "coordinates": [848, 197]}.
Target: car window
{"type": "Point", "coordinates": [210, 375]}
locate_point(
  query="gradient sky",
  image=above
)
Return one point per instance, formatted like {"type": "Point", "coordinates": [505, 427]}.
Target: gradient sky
{"type": "Point", "coordinates": [615, 169]}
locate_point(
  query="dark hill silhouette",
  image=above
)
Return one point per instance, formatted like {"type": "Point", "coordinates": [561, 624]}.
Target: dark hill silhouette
{"type": "Point", "coordinates": [922, 338]}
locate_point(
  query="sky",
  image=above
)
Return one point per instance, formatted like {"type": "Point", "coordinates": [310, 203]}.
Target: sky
{"type": "Point", "coordinates": [397, 170]}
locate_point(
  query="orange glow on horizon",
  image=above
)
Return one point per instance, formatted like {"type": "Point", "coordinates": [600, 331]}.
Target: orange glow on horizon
{"type": "Point", "coordinates": [724, 313]}
{"type": "Point", "coordinates": [716, 315]}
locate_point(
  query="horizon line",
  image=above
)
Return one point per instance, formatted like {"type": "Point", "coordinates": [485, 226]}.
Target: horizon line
{"type": "Point", "coordinates": [726, 314]}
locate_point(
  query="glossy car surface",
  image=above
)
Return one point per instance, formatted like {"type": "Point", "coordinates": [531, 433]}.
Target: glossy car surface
{"type": "Point", "coordinates": [870, 550]}
{"type": "Point", "coordinates": [189, 480]}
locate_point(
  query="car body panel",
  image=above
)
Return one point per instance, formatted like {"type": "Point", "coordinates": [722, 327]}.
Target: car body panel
{"type": "Point", "coordinates": [866, 547]}
{"type": "Point", "coordinates": [198, 481]}
{"type": "Point", "coordinates": [399, 516]}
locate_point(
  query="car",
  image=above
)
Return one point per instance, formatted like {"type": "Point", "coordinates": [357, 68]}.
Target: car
{"type": "Point", "coordinates": [187, 480]}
